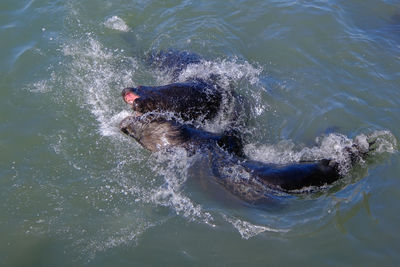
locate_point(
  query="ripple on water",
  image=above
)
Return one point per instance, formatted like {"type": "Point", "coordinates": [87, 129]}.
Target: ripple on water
{"type": "Point", "coordinates": [138, 182]}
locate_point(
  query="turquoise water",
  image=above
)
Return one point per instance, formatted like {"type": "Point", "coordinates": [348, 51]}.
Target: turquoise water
{"type": "Point", "coordinates": [75, 191]}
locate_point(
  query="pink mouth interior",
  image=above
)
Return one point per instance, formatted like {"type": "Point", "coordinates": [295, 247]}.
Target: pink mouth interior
{"type": "Point", "coordinates": [130, 97]}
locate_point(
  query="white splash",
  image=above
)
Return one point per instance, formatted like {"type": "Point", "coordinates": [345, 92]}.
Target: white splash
{"type": "Point", "coordinates": [97, 74]}
{"type": "Point", "coordinates": [173, 166]}
{"type": "Point", "coordinates": [226, 71]}
{"type": "Point", "coordinates": [116, 23]}
{"type": "Point", "coordinates": [332, 146]}
{"type": "Point", "coordinates": [248, 230]}
{"type": "Point", "coordinates": [100, 74]}
{"type": "Point", "coordinates": [39, 87]}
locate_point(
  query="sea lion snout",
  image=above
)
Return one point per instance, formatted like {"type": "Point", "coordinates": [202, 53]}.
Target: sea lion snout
{"type": "Point", "coordinates": [126, 125]}
{"type": "Point", "coordinates": [130, 95]}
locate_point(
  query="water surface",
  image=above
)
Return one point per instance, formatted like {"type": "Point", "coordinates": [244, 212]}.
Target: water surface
{"type": "Point", "coordinates": [75, 191]}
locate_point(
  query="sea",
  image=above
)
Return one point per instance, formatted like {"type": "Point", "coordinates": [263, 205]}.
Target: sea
{"type": "Point", "coordinates": [315, 75]}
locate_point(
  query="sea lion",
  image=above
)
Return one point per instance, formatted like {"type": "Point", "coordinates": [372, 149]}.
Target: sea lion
{"type": "Point", "coordinates": [249, 180]}
{"type": "Point", "coordinates": [190, 100]}
{"type": "Point", "coordinates": [194, 102]}
{"type": "Point", "coordinates": [155, 132]}
{"type": "Point", "coordinates": [195, 99]}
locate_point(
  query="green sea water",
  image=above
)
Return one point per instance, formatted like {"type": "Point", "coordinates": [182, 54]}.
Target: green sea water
{"type": "Point", "coordinates": [75, 192]}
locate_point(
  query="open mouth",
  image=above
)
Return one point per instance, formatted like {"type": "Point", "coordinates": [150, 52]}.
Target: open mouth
{"type": "Point", "coordinates": [130, 97]}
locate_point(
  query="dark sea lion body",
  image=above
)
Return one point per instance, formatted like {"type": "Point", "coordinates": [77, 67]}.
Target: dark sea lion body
{"type": "Point", "coordinates": [194, 101]}
{"type": "Point", "coordinates": [190, 100]}
{"type": "Point", "coordinates": [155, 133]}
{"type": "Point", "coordinates": [255, 181]}
{"type": "Point", "coordinates": [249, 180]}
{"type": "Point", "coordinates": [200, 100]}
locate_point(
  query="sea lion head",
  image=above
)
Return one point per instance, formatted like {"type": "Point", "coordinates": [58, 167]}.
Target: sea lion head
{"type": "Point", "coordinates": [154, 132]}
{"type": "Point", "coordinates": [141, 98]}
{"type": "Point", "coordinates": [132, 126]}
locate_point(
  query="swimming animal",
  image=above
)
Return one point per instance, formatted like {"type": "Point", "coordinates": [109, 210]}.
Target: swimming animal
{"type": "Point", "coordinates": [194, 101]}
{"type": "Point", "coordinates": [249, 180]}
{"type": "Point", "coordinates": [190, 100]}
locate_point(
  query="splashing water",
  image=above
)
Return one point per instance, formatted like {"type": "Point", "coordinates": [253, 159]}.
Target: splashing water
{"type": "Point", "coordinates": [227, 71]}
{"type": "Point", "coordinates": [97, 74]}
{"type": "Point", "coordinates": [331, 146]}
{"type": "Point", "coordinates": [248, 230]}
{"type": "Point", "coordinates": [100, 74]}
{"type": "Point", "coordinates": [116, 23]}
{"type": "Point", "coordinates": [173, 166]}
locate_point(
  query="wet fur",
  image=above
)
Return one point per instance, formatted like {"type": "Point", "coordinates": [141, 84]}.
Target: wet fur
{"type": "Point", "coordinates": [155, 132]}
{"type": "Point", "coordinates": [201, 100]}
{"type": "Point", "coordinates": [249, 180]}
{"type": "Point", "coordinates": [190, 100]}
